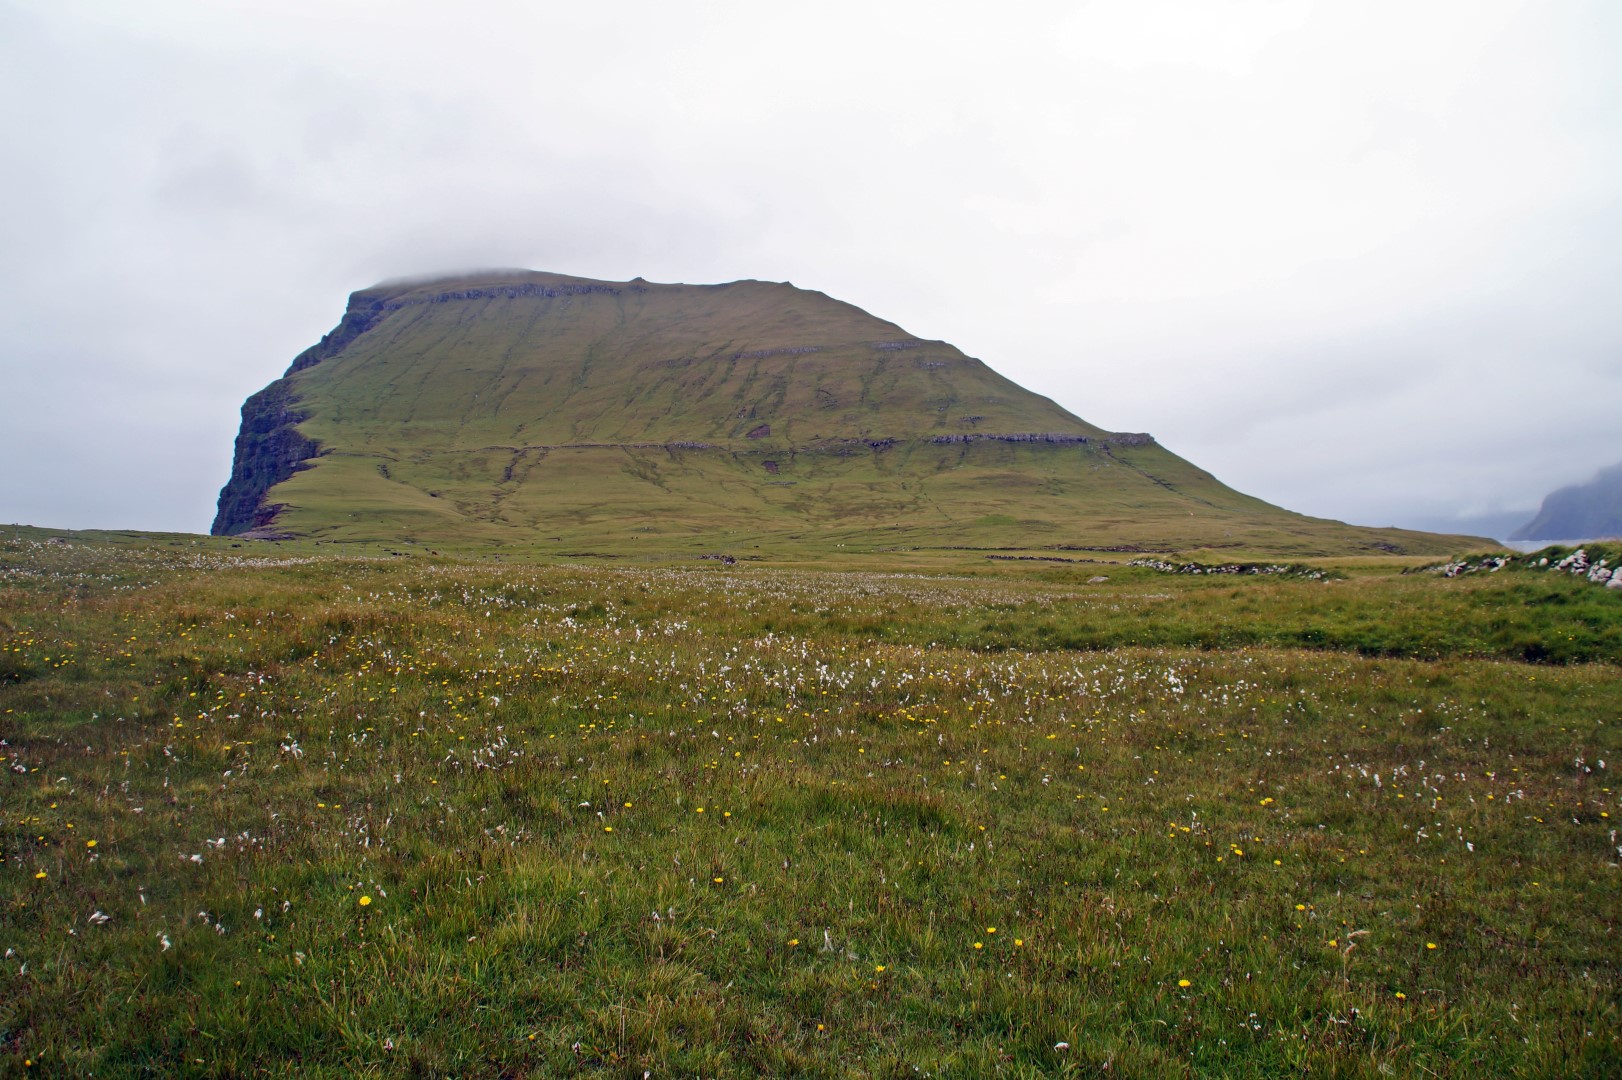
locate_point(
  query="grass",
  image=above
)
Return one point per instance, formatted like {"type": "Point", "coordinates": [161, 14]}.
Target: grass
{"type": "Point", "coordinates": [668, 419]}
{"type": "Point", "coordinates": [280, 810]}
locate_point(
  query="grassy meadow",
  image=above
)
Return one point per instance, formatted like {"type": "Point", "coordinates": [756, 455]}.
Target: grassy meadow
{"type": "Point", "coordinates": [272, 810]}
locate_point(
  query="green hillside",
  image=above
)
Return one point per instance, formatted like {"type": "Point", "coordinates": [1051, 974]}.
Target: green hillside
{"type": "Point", "coordinates": [561, 413]}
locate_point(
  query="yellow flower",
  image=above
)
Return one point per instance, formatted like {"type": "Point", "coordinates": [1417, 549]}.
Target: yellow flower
{"type": "Point", "coordinates": [365, 901]}
{"type": "Point", "coordinates": [41, 874]}
{"type": "Point", "coordinates": [876, 967]}
{"type": "Point", "coordinates": [793, 941]}
{"type": "Point", "coordinates": [1184, 983]}
{"type": "Point", "coordinates": [1430, 944]}
{"type": "Point", "coordinates": [1018, 942]}
{"type": "Point", "coordinates": [89, 843]}
{"type": "Point", "coordinates": [979, 945]}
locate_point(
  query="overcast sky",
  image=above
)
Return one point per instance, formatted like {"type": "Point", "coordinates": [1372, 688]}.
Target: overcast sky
{"type": "Point", "coordinates": [1360, 259]}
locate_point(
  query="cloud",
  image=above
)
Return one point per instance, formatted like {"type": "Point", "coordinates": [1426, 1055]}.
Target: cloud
{"type": "Point", "coordinates": [1354, 259]}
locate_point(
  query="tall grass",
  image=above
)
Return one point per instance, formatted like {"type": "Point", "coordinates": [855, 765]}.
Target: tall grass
{"type": "Point", "coordinates": [341, 816]}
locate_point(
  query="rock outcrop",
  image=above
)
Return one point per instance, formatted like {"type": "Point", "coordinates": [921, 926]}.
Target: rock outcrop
{"type": "Point", "coordinates": [269, 449]}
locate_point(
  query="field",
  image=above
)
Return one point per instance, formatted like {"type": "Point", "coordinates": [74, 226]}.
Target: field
{"type": "Point", "coordinates": [269, 809]}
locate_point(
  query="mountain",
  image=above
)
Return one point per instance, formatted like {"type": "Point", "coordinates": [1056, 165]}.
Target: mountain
{"type": "Point", "coordinates": [566, 414]}
{"type": "Point", "coordinates": [1588, 511]}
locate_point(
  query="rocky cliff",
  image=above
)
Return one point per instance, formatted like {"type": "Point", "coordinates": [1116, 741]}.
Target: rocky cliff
{"type": "Point", "coordinates": [269, 449]}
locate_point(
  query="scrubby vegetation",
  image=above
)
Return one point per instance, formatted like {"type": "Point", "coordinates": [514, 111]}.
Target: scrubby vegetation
{"type": "Point", "coordinates": [280, 811]}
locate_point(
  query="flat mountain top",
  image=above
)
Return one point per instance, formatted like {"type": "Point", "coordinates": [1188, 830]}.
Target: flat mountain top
{"type": "Point", "coordinates": [520, 407]}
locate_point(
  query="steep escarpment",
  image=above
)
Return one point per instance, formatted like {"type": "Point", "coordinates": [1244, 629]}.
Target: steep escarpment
{"type": "Point", "coordinates": [515, 407]}
{"type": "Point", "coordinates": [269, 449]}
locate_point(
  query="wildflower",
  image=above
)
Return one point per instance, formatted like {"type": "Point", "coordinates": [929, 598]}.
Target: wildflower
{"type": "Point", "coordinates": [365, 901]}
{"type": "Point", "coordinates": [90, 843]}
{"type": "Point", "coordinates": [41, 874]}
{"type": "Point", "coordinates": [793, 941]}
{"type": "Point", "coordinates": [1430, 944]}
{"type": "Point", "coordinates": [877, 968]}
{"type": "Point", "coordinates": [1019, 943]}
{"type": "Point", "coordinates": [1184, 983]}
{"type": "Point", "coordinates": [979, 945]}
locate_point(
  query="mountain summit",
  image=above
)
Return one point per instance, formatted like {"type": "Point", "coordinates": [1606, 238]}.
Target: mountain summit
{"type": "Point", "coordinates": [517, 407]}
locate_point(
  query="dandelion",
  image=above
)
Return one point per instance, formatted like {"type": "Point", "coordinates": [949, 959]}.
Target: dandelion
{"type": "Point", "coordinates": [1184, 983]}
{"type": "Point", "coordinates": [366, 901]}
{"type": "Point", "coordinates": [89, 843]}
{"type": "Point", "coordinates": [1430, 944]}
{"type": "Point", "coordinates": [1019, 943]}
{"type": "Point", "coordinates": [42, 874]}
{"type": "Point", "coordinates": [793, 941]}
{"type": "Point", "coordinates": [879, 968]}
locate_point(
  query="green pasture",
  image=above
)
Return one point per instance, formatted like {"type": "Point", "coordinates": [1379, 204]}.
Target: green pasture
{"type": "Point", "coordinates": [335, 810]}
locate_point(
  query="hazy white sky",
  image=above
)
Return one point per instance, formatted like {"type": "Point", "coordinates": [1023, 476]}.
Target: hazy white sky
{"type": "Point", "coordinates": [1359, 259]}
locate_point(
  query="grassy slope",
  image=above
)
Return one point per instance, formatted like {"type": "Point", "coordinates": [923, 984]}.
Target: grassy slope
{"type": "Point", "coordinates": [511, 420]}
{"type": "Point", "coordinates": [948, 822]}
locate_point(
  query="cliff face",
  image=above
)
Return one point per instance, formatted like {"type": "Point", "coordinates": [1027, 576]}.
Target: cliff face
{"type": "Point", "coordinates": [269, 449]}
{"type": "Point", "coordinates": [269, 446]}
{"type": "Point", "coordinates": [1588, 511]}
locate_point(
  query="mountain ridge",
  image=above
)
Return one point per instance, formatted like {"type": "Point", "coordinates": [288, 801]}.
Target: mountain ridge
{"type": "Point", "coordinates": [1591, 510]}
{"type": "Point", "coordinates": [490, 407]}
